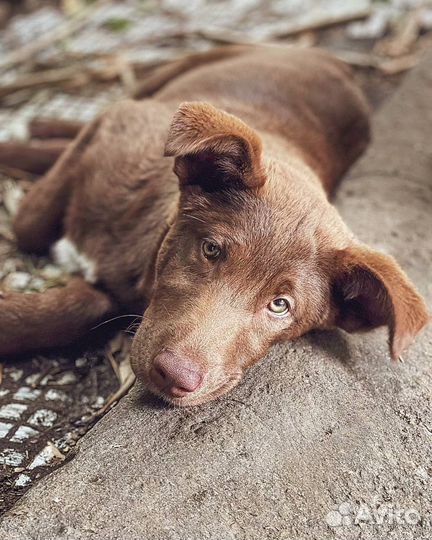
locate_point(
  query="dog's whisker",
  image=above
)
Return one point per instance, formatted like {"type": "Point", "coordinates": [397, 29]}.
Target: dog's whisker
{"type": "Point", "coordinates": [114, 319]}
{"type": "Point", "coordinates": [133, 326]}
{"type": "Point", "coordinates": [129, 332]}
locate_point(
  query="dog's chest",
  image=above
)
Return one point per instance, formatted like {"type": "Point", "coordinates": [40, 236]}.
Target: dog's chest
{"type": "Point", "coordinates": [72, 261]}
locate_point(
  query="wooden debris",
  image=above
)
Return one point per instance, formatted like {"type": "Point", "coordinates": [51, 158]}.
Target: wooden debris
{"type": "Point", "coordinates": [224, 37]}
{"type": "Point", "coordinates": [291, 26]}
{"type": "Point", "coordinates": [405, 36]}
{"type": "Point", "coordinates": [399, 65]}
{"type": "Point", "coordinates": [359, 59]}
{"type": "Point", "coordinates": [159, 76]}
{"type": "Point", "coordinates": [387, 66]}
{"type": "Point", "coordinates": [28, 52]}
{"type": "Point", "coordinates": [126, 74]}
{"type": "Point", "coordinates": [114, 398]}
{"type": "Point", "coordinates": [118, 353]}
{"type": "Point", "coordinates": [113, 363]}
{"type": "Point", "coordinates": [76, 76]}
{"type": "Point", "coordinates": [42, 79]}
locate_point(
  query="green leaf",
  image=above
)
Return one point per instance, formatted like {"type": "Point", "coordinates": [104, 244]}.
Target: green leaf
{"type": "Point", "coordinates": [117, 25]}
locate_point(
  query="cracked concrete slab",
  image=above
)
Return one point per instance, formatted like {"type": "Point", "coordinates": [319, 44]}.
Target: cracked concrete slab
{"type": "Point", "coordinates": [325, 438]}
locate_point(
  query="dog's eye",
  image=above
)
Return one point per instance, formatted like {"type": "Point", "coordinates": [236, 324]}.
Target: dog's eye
{"type": "Point", "coordinates": [279, 306]}
{"type": "Point", "coordinates": [210, 249]}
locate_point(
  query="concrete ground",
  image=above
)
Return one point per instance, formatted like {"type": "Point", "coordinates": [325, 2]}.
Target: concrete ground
{"type": "Point", "coordinates": [326, 438]}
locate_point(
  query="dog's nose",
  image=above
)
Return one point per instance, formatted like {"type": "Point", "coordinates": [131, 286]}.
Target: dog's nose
{"type": "Point", "coordinates": [175, 375]}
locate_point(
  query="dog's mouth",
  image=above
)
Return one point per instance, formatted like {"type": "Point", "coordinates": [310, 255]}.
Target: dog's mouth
{"type": "Point", "coordinates": [178, 382]}
{"type": "Point", "coordinates": [204, 395]}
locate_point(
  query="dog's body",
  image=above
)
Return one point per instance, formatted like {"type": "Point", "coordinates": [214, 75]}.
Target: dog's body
{"type": "Point", "coordinates": [255, 169]}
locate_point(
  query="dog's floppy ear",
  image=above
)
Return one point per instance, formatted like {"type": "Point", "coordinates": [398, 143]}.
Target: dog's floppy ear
{"type": "Point", "coordinates": [371, 290]}
{"type": "Point", "coordinates": [214, 149]}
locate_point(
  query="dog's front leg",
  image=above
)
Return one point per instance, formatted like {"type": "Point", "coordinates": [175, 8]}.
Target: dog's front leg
{"type": "Point", "coordinates": [52, 318]}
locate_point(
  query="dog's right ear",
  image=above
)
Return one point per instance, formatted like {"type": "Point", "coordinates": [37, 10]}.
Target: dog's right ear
{"type": "Point", "coordinates": [369, 290]}
{"type": "Point", "coordinates": [214, 149]}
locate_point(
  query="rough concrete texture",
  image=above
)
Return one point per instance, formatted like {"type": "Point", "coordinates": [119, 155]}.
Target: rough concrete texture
{"type": "Point", "coordinates": [318, 427]}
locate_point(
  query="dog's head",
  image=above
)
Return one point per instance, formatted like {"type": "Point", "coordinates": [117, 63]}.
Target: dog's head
{"type": "Point", "coordinates": [256, 255]}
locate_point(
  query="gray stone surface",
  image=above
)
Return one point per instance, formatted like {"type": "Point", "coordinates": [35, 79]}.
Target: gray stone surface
{"type": "Point", "coordinates": [323, 422]}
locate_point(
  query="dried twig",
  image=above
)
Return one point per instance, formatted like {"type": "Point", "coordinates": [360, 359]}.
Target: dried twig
{"type": "Point", "coordinates": [127, 74]}
{"type": "Point", "coordinates": [160, 75]}
{"type": "Point", "coordinates": [405, 36]}
{"type": "Point", "coordinates": [41, 78]}
{"type": "Point", "coordinates": [117, 352]}
{"type": "Point", "coordinates": [113, 363]}
{"type": "Point", "coordinates": [225, 37]}
{"type": "Point", "coordinates": [358, 59]}
{"type": "Point", "coordinates": [76, 76]}
{"type": "Point", "coordinates": [314, 21]}
{"type": "Point", "coordinates": [398, 65]}
{"type": "Point", "coordinates": [386, 66]}
{"type": "Point", "coordinates": [114, 398]}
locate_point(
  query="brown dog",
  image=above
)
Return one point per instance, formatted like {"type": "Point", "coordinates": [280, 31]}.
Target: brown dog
{"type": "Point", "coordinates": [237, 250]}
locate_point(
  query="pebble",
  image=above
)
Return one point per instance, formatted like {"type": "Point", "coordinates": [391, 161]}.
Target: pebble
{"type": "Point", "coordinates": [12, 411]}
{"type": "Point", "coordinates": [37, 284]}
{"type": "Point", "coordinates": [25, 393]}
{"type": "Point", "coordinates": [4, 429]}
{"type": "Point", "coordinates": [46, 456]}
{"type": "Point", "coordinates": [43, 417]}
{"type": "Point", "coordinates": [17, 281]}
{"type": "Point", "coordinates": [81, 362]}
{"type": "Point", "coordinates": [11, 457]}
{"type": "Point", "coordinates": [55, 395]}
{"type": "Point", "coordinates": [98, 402]}
{"type": "Point", "coordinates": [32, 379]}
{"type": "Point", "coordinates": [23, 480]}
{"type": "Point", "coordinates": [15, 374]}
{"type": "Point", "coordinates": [69, 377]}
{"type": "Point", "coordinates": [23, 433]}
